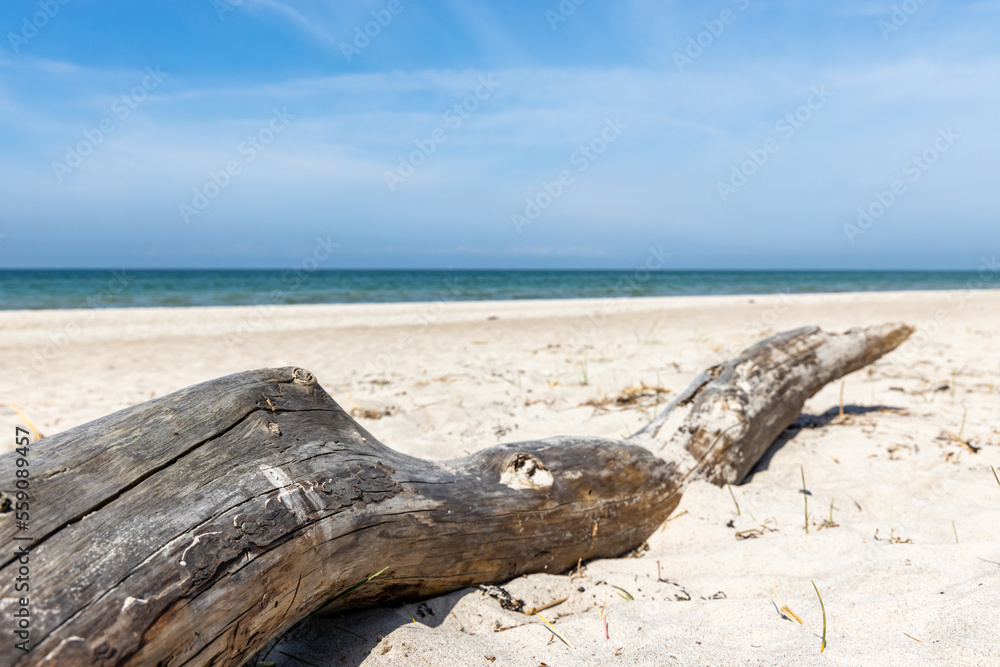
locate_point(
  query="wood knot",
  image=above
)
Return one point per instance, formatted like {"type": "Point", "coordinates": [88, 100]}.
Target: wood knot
{"type": "Point", "coordinates": [524, 471]}
{"type": "Point", "coordinates": [302, 376]}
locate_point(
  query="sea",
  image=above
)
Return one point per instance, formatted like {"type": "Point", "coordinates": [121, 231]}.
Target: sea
{"type": "Point", "coordinates": [41, 289]}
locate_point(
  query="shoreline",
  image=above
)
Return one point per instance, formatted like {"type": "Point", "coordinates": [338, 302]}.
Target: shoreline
{"type": "Point", "coordinates": [458, 302]}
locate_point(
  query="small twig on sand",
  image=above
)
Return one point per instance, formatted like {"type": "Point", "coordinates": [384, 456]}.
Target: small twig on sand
{"type": "Point", "coordinates": [535, 610]}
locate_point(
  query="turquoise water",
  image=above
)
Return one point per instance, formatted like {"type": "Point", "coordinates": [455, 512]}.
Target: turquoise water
{"type": "Point", "coordinates": [26, 289]}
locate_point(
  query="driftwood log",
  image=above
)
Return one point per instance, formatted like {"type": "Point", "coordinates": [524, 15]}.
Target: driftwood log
{"type": "Point", "coordinates": [194, 528]}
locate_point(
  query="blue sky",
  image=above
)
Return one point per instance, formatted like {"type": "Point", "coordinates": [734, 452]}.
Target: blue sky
{"type": "Point", "coordinates": [463, 134]}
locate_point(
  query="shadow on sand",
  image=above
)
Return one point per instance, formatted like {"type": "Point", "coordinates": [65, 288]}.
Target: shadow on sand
{"type": "Point", "coordinates": [805, 421]}
{"type": "Point", "coordinates": [349, 638]}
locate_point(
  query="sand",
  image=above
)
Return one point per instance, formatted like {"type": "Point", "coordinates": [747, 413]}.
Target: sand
{"type": "Point", "coordinates": [909, 572]}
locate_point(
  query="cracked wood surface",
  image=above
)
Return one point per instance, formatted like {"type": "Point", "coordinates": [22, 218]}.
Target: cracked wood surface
{"type": "Point", "coordinates": [193, 528]}
{"type": "Point", "coordinates": [738, 408]}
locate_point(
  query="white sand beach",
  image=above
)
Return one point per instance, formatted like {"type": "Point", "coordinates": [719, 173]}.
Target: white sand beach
{"type": "Point", "coordinates": [908, 567]}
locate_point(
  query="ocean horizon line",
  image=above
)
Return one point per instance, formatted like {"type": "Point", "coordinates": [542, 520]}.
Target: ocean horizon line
{"type": "Point", "coordinates": [42, 289]}
{"type": "Point", "coordinates": [471, 270]}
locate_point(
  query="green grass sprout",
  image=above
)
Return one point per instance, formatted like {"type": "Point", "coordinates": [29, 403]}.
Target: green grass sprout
{"type": "Point", "coordinates": [627, 596]}
{"type": "Point", "coordinates": [822, 646]}
{"type": "Point", "coordinates": [357, 586]}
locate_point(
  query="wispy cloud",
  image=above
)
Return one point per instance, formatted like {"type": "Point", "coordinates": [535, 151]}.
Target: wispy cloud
{"type": "Point", "coordinates": [311, 26]}
{"type": "Point", "coordinates": [686, 132]}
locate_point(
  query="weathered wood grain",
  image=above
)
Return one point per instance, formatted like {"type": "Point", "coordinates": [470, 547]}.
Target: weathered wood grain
{"type": "Point", "coordinates": [738, 408]}
{"type": "Point", "coordinates": [192, 529]}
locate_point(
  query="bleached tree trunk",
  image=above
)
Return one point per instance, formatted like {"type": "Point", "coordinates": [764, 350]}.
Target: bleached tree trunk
{"type": "Point", "coordinates": [192, 529]}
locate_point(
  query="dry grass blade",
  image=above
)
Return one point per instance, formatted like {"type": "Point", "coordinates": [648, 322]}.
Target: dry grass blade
{"type": "Point", "coordinates": [965, 443]}
{"type": "Point", "coordinates": [893, 538]}
{"type": "Point", "coordinates": [749, 533]}
{"type": "Point", "coordinates": [680, 514]}
{"type": "Point", "coordinates": [786, 610]}
{"type": "Point", "coordinates": [554, 631]}
{"type": "Point", "coordinates": [829, 523]}
{"type": "Point", "coordinates": [641, 395]}
{"type": "Point", "coordinates": [27, 422]}
{"type": "Point", "coordinates": [995, 476]}
{"type": "Point", "coordinates": [783, 608]}
{"type": "Point", "coordinates": [729, 486]}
